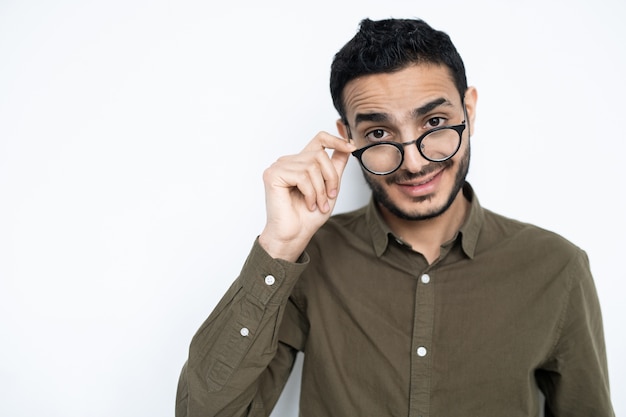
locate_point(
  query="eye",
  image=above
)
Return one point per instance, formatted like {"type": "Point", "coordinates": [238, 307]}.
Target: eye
{"type": "Point", "coordinates": [435, 122]}
{"type": "Point", "coordinates": [377, 135]}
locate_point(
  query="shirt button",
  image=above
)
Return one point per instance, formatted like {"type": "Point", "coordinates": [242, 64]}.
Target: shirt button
{"type": "Point", "coordinates": [421, 351]}
{"type": "Point", "coordinates": [244, 331]}
{"type": "Point", "coordinates": [270, 280]}
{"type": "Point", "coordinates": [425, 278]}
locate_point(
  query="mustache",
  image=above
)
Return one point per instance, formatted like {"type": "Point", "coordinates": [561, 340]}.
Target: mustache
{"type": "Point", "coordinates": [407, 176]}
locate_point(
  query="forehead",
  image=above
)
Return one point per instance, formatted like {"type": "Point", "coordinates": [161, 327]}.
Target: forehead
{"type": "Point", "coordinates": [399, 92]}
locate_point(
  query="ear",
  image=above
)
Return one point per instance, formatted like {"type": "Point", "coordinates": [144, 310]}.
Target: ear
{"type": "Point", "coordinates": [343, 129]}
{"type": "Point", "coordinates": [471, 97]}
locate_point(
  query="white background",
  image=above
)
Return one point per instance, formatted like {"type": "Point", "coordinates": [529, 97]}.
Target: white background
{"type": "Point", "coordinates": [134, 133]}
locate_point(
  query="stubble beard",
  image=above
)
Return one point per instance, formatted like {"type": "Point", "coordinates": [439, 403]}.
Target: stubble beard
{"type": "Point", "coordinates": [381, 196]}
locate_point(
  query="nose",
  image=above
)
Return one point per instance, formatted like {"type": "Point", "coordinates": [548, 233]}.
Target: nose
{"type": "Point", "coordinates": [413, 159]}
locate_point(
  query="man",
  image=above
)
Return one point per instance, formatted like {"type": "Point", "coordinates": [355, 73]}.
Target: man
{"type": "Point", "coordinates": [422, 303]}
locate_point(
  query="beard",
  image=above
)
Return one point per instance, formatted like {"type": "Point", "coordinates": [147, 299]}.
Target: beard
{"type": "Point", "coordinates": [381, 196]}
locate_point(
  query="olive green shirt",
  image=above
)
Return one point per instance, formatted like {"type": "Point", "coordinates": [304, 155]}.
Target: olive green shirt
{"type": "Point", "coordinates": [506, 315]}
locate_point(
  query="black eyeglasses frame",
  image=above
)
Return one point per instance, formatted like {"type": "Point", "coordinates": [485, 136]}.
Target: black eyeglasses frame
{"type": "Point", "coordinates": [400, 145]}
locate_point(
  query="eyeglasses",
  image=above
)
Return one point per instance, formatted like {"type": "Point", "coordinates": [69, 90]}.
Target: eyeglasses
{"type": "Point", "coordinates": [436, 145]}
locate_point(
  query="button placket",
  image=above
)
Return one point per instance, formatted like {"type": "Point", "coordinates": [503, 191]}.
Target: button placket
{"type": "Point", "coordinates": [421, 365]}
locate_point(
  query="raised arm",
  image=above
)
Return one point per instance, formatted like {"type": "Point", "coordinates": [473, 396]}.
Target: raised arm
{"type": "Point", "coordinates": [237, 366]}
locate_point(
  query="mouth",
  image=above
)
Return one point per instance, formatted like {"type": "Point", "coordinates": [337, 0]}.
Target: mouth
{"type": "Point", "coordinates": [421, 186]}
{"type": "Point", "coordinates": [418, 180]}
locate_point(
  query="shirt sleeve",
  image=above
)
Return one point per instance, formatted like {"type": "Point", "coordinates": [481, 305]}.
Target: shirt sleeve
{"type": "Point", "coordinates": [575, 380]}
{"type": "Point", "coordinates": [237, 366]}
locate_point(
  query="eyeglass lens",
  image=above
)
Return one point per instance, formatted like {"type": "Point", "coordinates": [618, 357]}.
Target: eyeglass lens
{"type": "Point", "coordinates": [436, 146]}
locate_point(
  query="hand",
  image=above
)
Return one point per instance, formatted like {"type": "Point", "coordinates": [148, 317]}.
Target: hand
{"type": "Point", "coordinates": [300, 193]}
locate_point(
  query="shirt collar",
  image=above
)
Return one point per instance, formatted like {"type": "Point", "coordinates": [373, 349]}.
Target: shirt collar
{"type": "Point", "coordinates": [469, 231]}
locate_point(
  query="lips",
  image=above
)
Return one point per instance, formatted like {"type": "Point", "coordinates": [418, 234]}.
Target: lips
{"type": "Point", "coordinates": [412, 180]}
{"type": "Point", "coordinates": [421, 186]}
{"type": "Point", "coordinates": [422, 181]}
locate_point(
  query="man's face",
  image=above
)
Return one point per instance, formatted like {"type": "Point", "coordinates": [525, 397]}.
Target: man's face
{"type": "Point", "coordinates": [401, 106]}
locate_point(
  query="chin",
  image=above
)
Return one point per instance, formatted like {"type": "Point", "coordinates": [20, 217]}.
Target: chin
{"type": "Point", "coordinates": [427, 208]}
{"type": "Point", "coordinates": [419, 208]}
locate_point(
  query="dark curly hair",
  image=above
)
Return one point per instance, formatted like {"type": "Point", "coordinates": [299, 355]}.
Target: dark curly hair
{"type": "Point", "coordinates": [390, 45]}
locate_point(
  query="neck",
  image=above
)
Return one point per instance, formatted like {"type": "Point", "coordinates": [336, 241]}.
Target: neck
{"type": "Point", "coordinates": [427, 236]}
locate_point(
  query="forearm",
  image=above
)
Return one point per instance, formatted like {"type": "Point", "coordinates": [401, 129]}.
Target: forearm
{"type": "Point", "coordinates": [236, 345]}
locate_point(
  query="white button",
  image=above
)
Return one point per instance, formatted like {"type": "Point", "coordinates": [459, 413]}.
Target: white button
{"type": "Point", "coordinates": [244, 331]}
{"type": "Point", "coordinates": [270, 280]}
{"type": "Point", "coordinates": [425, 278]}
{"type": "Point", "coordinates": [421, 351]}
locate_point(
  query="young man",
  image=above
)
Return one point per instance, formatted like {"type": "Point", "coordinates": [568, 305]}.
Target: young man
{"type": "Point", "coordinates": [422, 303]}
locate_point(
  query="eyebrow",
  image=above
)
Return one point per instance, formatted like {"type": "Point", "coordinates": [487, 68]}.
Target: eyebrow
{"type": "Point", "coordinates": [370, 117]}
{"type": "Point", "coordinates": [430, 106]}
{"type": "Point", "coordinates": [384, 117]}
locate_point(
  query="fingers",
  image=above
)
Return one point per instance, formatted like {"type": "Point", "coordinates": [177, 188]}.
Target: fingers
{"type": "Point", "coordinates": [314, 188]}
{"type": "Point", "coordinates": [331, 168]}
{"type": "Point", "coordinates": [325, 140]}
{"type": "Point", "coordinates": [300, 193]}
{"type": "Point", "coordinates": [313, 173]}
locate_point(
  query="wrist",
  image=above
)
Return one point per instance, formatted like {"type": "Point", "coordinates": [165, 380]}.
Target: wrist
{"type": "Point", "coordinates": [288, 250]}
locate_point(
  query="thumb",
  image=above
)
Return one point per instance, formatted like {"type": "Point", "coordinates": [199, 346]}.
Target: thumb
{"type": "Point", "coordinates": [340, 160]}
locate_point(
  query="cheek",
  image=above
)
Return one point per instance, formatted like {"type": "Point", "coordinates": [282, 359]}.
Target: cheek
{"type": "Point", "coordinates": [377, 182]}
{"type": "Point", "coordinates": [463, 153]}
